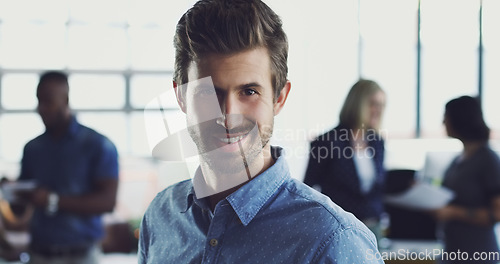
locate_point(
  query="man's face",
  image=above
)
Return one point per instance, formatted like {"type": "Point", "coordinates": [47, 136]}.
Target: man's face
{"type": "Point", "coordinates": [52, 102]}
{"type": "Point", "coordinates": [231, 120]}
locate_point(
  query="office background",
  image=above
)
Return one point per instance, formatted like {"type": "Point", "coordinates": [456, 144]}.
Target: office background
{"type": "Point", "coordinates": [119, 56]}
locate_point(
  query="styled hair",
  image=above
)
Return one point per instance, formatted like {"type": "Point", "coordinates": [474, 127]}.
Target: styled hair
{"type": "Point", "coordinates": [351, 114]}
{"type": "Point", "coordinates": [58, 76]}
{"type": "Point", "coordinates": [227, 27]}
{"type": "Point", "coordinates": [465, 117]}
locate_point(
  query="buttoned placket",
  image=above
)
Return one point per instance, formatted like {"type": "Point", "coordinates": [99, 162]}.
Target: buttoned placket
{"type": "Point", "coordinates": [220, 222]}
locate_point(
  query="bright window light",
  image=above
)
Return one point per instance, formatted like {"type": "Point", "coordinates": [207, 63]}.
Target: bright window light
{"type": "Point", "coordinates": [94, 91]}
{"type": "Point", "coordinates": [389, 58]}
{"type": "Point", "coordinates": [19, 91]}
{"type": "Point", "coordinates": [17, 130]}
{"type": "Point", "coordinates": [491, 89]}
{"type": "Point", "coordinates": [32, 46]}
{"type": "Point", "coordinates": [449, 58]}
{"type": "Point", "coordinates": [151, 48]}
{"type": "Point", "coordinates": [145, 88]}
{"type": "Point", "coordinates": [97, 47]}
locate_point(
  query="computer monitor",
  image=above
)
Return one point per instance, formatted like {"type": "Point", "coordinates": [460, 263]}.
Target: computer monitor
{"type": "Point", "coordinates": [435, 165]}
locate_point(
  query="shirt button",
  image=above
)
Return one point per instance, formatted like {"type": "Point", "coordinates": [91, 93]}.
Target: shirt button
{"type": "Point", "coordinates": [213, 242]}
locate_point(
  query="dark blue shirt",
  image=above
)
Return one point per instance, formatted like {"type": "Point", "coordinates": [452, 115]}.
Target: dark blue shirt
{"type": "Point", "coordinates": [68, 166]}
{"type": "Point", "coordinates": [331, 166]}
{"type": "Point", "coordinates": [271, 219]}
{"type": "Point", "coordinates": [475, 182]}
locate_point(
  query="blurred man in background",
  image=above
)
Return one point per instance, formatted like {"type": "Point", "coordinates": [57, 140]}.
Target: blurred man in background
{"type": "Point", "coordinates": [75, 174]}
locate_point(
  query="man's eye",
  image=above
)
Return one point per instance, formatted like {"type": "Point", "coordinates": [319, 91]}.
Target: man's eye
{"type": "Point", "coordinates": [249, 92]}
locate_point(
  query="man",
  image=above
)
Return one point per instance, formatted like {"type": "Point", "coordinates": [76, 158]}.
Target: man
{"type": "Point", "coordinates": [230, 80]}
{"type": "Point", "coordinates": [76, 173]}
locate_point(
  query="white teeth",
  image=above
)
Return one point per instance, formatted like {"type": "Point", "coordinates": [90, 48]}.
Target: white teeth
{"type": "Point", "coordinates": [231, 140]}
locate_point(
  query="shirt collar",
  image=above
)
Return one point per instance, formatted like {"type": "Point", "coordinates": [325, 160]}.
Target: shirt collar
{"type": "Point", "coordinates": [249, 199]}
{"type": "Point", "coordinates": [72, 130]}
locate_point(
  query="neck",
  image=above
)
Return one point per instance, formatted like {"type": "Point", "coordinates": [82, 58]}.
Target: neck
{"type": "Point", "coordinates": [259, 165]}
{"type": "Point", "coordinates": [470, 147]}
{"type": "Point", "coordinates": [358, 140]}
{"type": "Point", "coordinates": [61, 128]}
{"type": "Point", "coordinates": [213, 200]}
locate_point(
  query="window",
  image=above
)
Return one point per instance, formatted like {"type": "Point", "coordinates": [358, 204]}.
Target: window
{"type": "Point", "coordinates": [145, 88]}
{"type": "Point", "coordinates": [32, 46]}
{"type": "Point", "coordinates": [97, 47]}
{"type": "Point", "coordinates": [93, 91]}
{"type": "Point", "coordinates": [450, 41]}
{"type": "Point", "coordinates": [19, 91]}
{"type": "Point", "coordinates": [323, 62]}
{"type": "Point", "coordinates": [118, 56]}
{"type": "Point", "coordinates": [491, 86]}
{"type": "Point", "coordinates": [17, 130]}
{"type": "Point", "coordinates": [389, 57]}
{"type": "Point", "coordinates": [151, 48]}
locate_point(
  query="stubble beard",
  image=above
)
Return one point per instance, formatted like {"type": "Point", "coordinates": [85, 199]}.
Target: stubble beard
{"type": "Point", "coordinates": [235, 162]}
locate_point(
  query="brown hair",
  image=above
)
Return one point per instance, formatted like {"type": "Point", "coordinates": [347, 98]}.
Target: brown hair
{"type": "Point", "coordinates": [351, 115]}
{"type": "Point", "coordinates": [227, 27]}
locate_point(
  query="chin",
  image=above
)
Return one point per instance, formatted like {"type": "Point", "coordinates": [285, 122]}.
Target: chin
{"type": "Point", "coordinates": [227, 166]}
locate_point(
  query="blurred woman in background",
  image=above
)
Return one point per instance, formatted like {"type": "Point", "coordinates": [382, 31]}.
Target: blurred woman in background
{"type": "Point", "coordinates": [346, 163]}
{"type": "Point", "coordinates": [467, 223]}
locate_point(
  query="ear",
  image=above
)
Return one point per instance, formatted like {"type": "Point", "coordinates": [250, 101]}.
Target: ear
{"type": "Point", "coordinates": [180, 97]}
{"type": "Point", "coordinates": [280, 101]}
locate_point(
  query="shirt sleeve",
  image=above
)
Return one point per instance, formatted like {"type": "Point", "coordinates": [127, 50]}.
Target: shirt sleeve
{"type": "Point", "coordinates": [349, 246]}
{"type": "Point", "coordinates": [106, 161]}
{"type": "Point", "coordinates": [25, 164]}
{"type": "Point", "coordinates": [143, 241]}
{"type": "Point", "coordinates": [491, 175]}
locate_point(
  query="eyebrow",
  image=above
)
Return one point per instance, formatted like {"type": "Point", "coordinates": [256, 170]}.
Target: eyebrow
{"type": "Point", "coordinates": [248, 85]}
{"type": "Point", "coordinates": [243, 86]}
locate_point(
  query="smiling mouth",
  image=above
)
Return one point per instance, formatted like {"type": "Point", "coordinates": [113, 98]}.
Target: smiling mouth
{"type": "Point", "coordinates": [232, 139]}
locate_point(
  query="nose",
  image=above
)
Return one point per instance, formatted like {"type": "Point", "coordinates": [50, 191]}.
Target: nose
{"type": "Point", "coordinates": [230, 109]}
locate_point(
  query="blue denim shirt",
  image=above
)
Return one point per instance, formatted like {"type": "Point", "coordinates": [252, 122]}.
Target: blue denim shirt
{"type": "Point", "coordinates": [69, 166]}
{"type": "Point", "coordinates": [271, 219]}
